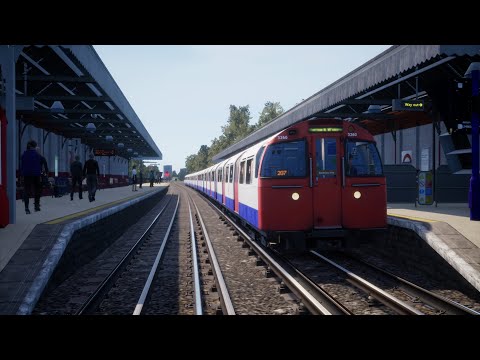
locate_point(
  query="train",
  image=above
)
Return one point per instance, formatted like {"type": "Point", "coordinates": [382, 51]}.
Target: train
{"type": "Point", "coordinates": [315, 179]}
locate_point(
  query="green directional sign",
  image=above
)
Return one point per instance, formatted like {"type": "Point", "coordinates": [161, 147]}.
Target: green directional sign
{"type": "Point", "coordinates": [408, 105]}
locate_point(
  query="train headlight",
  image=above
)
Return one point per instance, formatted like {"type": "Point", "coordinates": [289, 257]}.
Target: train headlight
{"type": "Point", "coordinates": [357, 194]}
{"type": "Point", "coordinates": [295, 196]}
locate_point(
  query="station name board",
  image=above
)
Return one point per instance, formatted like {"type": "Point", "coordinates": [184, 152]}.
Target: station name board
{"type": "Point", "coordinates": [408, 105]}
{"type": "Point", "coordinates": [104, 152]}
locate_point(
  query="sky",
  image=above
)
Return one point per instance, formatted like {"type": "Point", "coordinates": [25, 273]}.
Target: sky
{"type": "Point", "coordinates": [182, 94]}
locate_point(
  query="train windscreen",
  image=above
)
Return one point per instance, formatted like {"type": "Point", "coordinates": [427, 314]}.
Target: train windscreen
{"type": "Point", "coordinates": [362, 159]}
{"type": "Point", "coordinates": [285, 160]}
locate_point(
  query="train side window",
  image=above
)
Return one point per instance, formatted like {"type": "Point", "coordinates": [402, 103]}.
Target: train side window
{"type": "Point", "coordinates": [362, 159]}
{"type": "Point", "coordinates": [231, 173]}
{"type": "Point", "coordinates": [326, 155]}
{"type": "Point", "coordinates": [242, 171]}
{"type": "Point", "coordinates": [257, 159]}
{"type": "Point", "coordinates": [249, 171]}
{"type": "Point", "coordinates": [285, 160]}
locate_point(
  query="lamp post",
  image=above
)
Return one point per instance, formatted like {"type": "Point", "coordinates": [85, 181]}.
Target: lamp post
{"type": "Point", "coordinates": [473, 72]}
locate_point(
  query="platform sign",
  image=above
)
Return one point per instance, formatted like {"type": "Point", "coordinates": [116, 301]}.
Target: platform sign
{"type": "Point", "coordinates": [425, 188]}
{"type": "Point", "coordinates": [425, 159]}
{"type": "Point", "coordinates": [104, 152]}
{"type": "Point", "coordinates": [408, 105]}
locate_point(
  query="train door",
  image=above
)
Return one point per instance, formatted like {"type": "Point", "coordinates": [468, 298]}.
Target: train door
{"type": "Point", "coordinates": [224, 180]}
{"type": "Point", "coordinates": [215, 186]}
{"type": "Point", "coordinates": [326, 183]}
{"type": "Point", "coordinates": [235, 183]}
{"type": "Point", "coordinates": [364, 186]}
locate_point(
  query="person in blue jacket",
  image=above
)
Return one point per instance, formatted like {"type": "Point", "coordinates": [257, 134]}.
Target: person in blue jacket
{"type": "Point", "coordinates": [31, 170]}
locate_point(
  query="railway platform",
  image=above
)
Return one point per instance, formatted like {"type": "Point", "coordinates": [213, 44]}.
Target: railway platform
{"type": "Point", "coordinates": [448, 230]}
{"type": "Point", "coordinates": [31, 248]}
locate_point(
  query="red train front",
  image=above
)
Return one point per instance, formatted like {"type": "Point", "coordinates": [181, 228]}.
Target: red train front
{"type": "Point", "coordinates": [319, 176]}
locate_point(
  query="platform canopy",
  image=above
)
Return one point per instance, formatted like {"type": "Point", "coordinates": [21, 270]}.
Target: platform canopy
{"type": "Point", "coordinates": [365, 95]}
{"type": "Point", "coordinates": [67, 90]}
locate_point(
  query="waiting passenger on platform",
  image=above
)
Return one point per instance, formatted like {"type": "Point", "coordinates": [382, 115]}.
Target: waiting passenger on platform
{"type": "Point", "coordinates": [91, 171]}
{"type": "Point", "coordinates": [43, 171]}
{"type": "Point", "coordinates": [76, 172]}
{"type": "Point", "coordinates": [140, 176]}
{"type": "Point", "coordinates": [30, 170]}
{"type": "Point", "coordinates": [134, 179]}
{"type": "Point", "coordinates": [152, 178]}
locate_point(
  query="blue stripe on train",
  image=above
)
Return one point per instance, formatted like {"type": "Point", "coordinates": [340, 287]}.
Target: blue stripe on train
{"type": "Point", "coordinates": [229, 203]}
{"type": "Point", "coordinates": [250, 214]}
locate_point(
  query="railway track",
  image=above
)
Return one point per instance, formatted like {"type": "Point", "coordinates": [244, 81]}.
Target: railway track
{"type": "Point", "coordinates": [191, 258]}
{"type": "Point", "coordinates": [397, 293]}
{"type": "Point", "coordinates": [349, 293]}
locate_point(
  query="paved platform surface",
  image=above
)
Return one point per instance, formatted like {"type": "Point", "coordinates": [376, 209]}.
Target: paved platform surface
{"type": "Point", "coordinates": [13, 235]}
{"type": "Point", "coordinates": [447, 228]}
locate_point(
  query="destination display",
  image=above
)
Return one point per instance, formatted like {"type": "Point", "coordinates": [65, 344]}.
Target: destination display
{"type": "Point", "coordinates": [104, 152]}
{"type": "Point", "coordinates": [325, 129]}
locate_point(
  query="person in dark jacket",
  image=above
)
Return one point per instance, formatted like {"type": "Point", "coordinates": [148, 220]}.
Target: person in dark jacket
{"type": "Point", "coordinates": [152, 178]}
{"type": "Point", "coordinates": [43, 163]}
{"type": "Point", "coordinates": [30, 170]}
{"type": "Point", "coordinates": [140, 177]}
{"type": "Point", "coordinates": [76, 171]}
{"type": "Point", "coordinates": [91, 171]}
{"type": "Point", "coordinates": [43, 171]}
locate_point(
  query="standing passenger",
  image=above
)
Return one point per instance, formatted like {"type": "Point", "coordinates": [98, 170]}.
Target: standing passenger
{"type": "Point", "coordinates": [43, 171]}
{"type": "Point", "coordinates": [134, 178]}
{"type": "Point", "coordinates": [30, 170]}
{"type": "Point", "coordinates": [140, 176]}
{"type": "Point", "coordinates": [91, 171]}
{"type": "Point", "coordinates": [76, 171]}
{"type": "Point", "coordinates": [152, 178]}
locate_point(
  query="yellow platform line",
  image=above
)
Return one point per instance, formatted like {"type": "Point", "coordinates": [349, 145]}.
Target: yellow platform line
{"type": "Point", "coordinates": [85, 212]}
{"type": "Point", "coordinates": [411, 218]}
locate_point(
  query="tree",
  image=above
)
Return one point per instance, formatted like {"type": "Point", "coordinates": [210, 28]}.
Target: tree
{"type": "Point", "coordinates": [190, 163]}
{"type": "Point", "coordinates": [181, 174]}
{"type": "Point", "coordinates": [269, 112]}
{"type": "Point", "coordinates": [238, 125]}
{"type": "Point", "coordinates": [199, 161]}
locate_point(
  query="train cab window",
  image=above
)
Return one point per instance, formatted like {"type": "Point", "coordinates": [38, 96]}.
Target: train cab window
{"type": "Point", "coordinates": [257, 159]}
{"type": "Point", "coordinates": [248, 179]}
{"type": "Point", "coordinates": [242, 171]}
{"type": "Point", "coordinates": [285, 160]}
{"type": "Point", "coordinates": [362, 159]}
{"type": "Point", "coordinates": [231, 173]}
{"type": "Point", "coordinates": [326, 155]}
